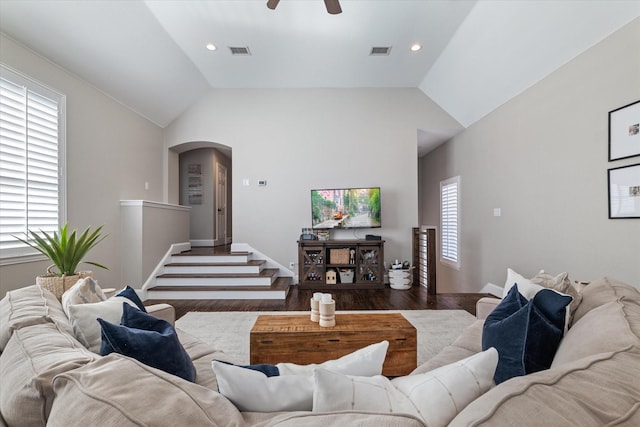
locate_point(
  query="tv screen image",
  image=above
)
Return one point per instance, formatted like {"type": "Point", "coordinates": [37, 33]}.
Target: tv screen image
{"type": "Point", "coordinates": [345, 208]}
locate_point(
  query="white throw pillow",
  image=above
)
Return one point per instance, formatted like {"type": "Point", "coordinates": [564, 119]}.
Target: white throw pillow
{"type": "Point", "coordinates": [338, 392]}
{"type": "Point", "coordinates": [436, 396]}
{"type": "Point", "coordinates": [85, 291]}
{"type": "Point", "coordinates": [292, 390]}
{"type": "Point", "coordinates": [253, 391]}
{"type": "Point", "coordinates": [524, 285]}
{"type": "Point", "coordinates": [365, 362]}
{"type": "Point", "coordinates": [83, 318]}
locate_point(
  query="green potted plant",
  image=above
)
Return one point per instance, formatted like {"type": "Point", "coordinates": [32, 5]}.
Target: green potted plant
{"type": "Point", "coordinates": [66, 250]}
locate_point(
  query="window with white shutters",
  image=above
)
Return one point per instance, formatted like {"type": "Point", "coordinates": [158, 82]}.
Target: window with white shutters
{"type": "Point", "coordinates": [450, 221]}
{"type": "Point", "coordinates": [31, 161]}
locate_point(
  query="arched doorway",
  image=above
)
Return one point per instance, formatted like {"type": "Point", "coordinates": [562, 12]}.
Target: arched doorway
{"type": "Point", "coordinates": [204, 169]}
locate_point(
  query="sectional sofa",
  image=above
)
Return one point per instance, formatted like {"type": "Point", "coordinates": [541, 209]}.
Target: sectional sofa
{"type": "Point", "coordinates": [50, 378]}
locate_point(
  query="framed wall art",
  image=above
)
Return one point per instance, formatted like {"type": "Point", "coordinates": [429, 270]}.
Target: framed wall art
{"type": "Point", "coordinates": [624, 132]}
{"type": "Point", "coordinates": [624, 192]}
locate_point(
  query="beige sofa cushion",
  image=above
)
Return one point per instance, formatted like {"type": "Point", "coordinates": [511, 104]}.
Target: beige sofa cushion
{"type": "Point", "coordinates": [603, 329]}
{"type": "Point", "coordinates": [201, 354]}
{"type": "Point", "coordinates": [31, 359]}
{"type": "Point", "coordinates": [27, 306]}
{"type": "Point", "coordinates": [108, 397]}
{"type": "Point", "coordinates": [603, 291]}
{"type": "Point", "coordinates": [591, 392]}
{"type": "Point", "coordinates": [468, 343]}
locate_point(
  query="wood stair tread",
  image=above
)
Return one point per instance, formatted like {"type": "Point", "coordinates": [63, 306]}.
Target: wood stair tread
{"type": "Point", "coordinates": [250, 263]}
{"type": "Point", "coordinates": [267, 272]}
{"type": "Point", "coordinates": [208, 251]}
{"type": "Point", "coordinates": [280, 284]}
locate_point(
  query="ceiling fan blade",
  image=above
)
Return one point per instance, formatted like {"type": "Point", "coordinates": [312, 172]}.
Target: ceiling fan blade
{"type": "Point", "coordinates": [333, 6]}
{"type": "Point", "coordinates": [271, 4]}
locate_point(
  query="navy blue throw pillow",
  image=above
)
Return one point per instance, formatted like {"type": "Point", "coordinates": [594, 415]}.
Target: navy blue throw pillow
{"type": "Point", "coordinates": [149, 340]}
{"type": "Point", "coordinates": [526, 339]}
{"type": "Point", "coordinates": [268, 370]}
{"type": "Point", "coordinates": [130, 293]}
{"type": "Point", "coordinates": [553, 305]}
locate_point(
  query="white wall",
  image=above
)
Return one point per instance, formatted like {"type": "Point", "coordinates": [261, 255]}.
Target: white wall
{"type": "Point", "coordinates": [111, 153]}
{"type": "Point", "coordinates": [142, 243]}
{"type": "Point", "coordinates": [300, 139]}
{"type": "Point", "coordinates": [542, 159]}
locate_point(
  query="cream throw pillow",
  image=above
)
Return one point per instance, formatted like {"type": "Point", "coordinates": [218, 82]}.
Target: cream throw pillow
{"type": "Point", "coordinates": [292, 390]}
{"type": "Point", "coordinates": [83, 318]}
{"type": "Point", "coordinates": [85, 291]}
{"type": "Point", "coordinates": [435, 397]}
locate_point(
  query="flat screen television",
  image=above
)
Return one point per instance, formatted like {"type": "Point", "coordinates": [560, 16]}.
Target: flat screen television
{"type": "Point", "coordinates": [345, 208]}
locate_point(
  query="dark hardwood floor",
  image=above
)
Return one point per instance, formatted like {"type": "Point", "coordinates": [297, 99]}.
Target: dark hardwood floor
{"type": "Point", "coordinates": [415, 298]}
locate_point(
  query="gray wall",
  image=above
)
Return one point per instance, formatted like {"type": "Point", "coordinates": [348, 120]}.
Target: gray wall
{"type": "Point", "coordinates": [542, 159]}
{"type": "Point", "coordinates": [111, 153]}
{"type": "Point", "coordinates": [300, 139]}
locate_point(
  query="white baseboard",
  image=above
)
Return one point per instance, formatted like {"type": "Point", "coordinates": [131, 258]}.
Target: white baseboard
{"type": "Point", "coordinates": [202, 242]}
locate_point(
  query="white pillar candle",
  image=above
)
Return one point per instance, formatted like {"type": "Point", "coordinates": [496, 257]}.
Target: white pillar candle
{"type": "Point", "coordinates": [315, 310]}
{"type": "Point", "coordinates": [317, 296]}
{"type": "Point", "coordinates": [327, 313]}
{"type": "Point", "coordinates": [326, 298]}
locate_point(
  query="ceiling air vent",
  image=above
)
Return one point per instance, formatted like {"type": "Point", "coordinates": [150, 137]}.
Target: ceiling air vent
{"type": "Point", "coordinates": [239, 51]}
{"type": "Point", "coordinates": [380, 50]}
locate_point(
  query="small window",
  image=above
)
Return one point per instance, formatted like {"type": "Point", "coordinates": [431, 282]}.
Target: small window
{"type": "Point", "coordinates": [31, 161]}
{"type": "Point", "coordinates": [450, 221]}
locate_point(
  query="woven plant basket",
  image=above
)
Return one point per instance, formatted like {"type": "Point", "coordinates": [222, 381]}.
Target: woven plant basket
{"type": "Point", "coordinates": [59, 284]}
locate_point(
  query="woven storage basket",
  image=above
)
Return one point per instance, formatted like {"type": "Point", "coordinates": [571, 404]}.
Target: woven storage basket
{"type": "Point", "coordinates": [59, 284]}
{"type": "Point", "coordinates": [339, 256]}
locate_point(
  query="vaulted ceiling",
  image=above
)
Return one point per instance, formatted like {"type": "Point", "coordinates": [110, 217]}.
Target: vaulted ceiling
{"type": "Point", "coordinates": [152, 56]}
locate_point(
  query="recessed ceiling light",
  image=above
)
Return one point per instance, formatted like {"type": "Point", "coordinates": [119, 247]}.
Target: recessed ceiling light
{"type": "Point", "coordinates": [211, 46]}
{"type": "Point", "coordinates": [416, 47]}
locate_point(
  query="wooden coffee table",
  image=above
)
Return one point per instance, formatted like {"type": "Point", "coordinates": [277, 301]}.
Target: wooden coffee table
{"type": "Point", "coordinates": [296, 339]}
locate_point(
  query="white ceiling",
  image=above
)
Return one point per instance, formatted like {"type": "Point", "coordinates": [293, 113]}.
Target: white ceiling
{"type": "Point", "coordinates": [151, 56]}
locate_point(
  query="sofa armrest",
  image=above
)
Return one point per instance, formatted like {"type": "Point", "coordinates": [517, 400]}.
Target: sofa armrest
{"type": "Point", "coordinates": [485, 306]}
{"type": "Point", "coordinates": [162, 311]}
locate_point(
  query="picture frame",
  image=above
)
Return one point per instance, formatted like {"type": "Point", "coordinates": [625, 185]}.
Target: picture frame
{"type": "Point", "coordinates": [624, 132]}
{"type": "Point", "coordinates": [624, 191]}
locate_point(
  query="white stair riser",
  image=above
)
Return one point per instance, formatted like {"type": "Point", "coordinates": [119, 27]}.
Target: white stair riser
{"type": "Point", "coordinates": [213, 269]}
{"type": "Point", "coordinates": [211, 258]}
{"type": "Point", "coordinates": [215, 281]}
{"type": "Point", "coordinates": [226, 294]}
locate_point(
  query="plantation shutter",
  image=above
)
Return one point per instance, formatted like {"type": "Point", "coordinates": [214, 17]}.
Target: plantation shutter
{"type": "Point", "coordinates": [30, 190]}
{"type": "Point", "coordinates": [449, 210]}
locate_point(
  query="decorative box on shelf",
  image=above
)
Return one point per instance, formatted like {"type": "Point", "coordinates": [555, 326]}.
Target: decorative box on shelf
{"type": "Point", "coordinates": [358, 264]}
{"type": "Point", "coordinates": [339, 256]}
{"type": "Point", "coordinates": [346, 275]}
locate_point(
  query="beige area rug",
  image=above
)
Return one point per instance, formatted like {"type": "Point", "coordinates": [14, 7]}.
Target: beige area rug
{"type": "Point", "coordinates": [229, 331]}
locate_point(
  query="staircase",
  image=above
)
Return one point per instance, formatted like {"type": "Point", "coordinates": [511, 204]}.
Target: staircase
{"type": "Point", "coordinates": [215, 273]}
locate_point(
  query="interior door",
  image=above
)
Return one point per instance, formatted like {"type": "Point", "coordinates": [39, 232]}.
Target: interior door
{"type": "Point", "coordinates": [221, 205]}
